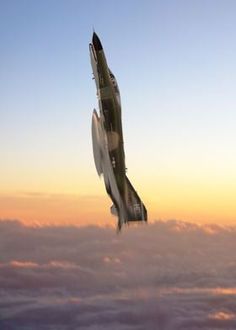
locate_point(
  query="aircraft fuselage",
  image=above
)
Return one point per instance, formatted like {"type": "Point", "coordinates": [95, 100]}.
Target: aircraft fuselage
{"type": "Point", "coordinates": [108, 144]}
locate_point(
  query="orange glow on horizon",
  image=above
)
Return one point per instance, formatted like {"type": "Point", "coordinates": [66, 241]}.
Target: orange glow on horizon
{"type": "Point", "coordinates": [51, 208]}
{"type": "Point", "coordinates": [47, 209]}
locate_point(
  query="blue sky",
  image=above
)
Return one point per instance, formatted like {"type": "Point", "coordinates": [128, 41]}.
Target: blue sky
{"type": "Point", "coordinates": [175, 66]}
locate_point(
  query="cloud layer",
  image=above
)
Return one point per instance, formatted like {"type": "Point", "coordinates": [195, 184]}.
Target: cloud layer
{"type": "Point", "coordinates": [167, 275]}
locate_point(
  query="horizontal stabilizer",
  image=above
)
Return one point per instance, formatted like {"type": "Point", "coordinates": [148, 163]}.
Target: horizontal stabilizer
{"type": "Point", "coordinates": [114, 210]}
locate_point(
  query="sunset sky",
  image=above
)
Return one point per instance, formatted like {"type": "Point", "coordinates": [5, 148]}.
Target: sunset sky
{"type": "Point", "coordinates": [176, 69]}
{"type": "Point", "coordinates": [62, 265]}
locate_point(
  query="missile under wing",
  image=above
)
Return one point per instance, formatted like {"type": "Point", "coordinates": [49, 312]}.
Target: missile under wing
{"type": "Point", "coordinates": [107, 137]}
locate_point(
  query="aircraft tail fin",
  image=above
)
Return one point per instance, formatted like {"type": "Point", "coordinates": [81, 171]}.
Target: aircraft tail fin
{"type": "Point", "coordinates": [135, 207]}
{"type": "Point", "coordinates": [130, 208]}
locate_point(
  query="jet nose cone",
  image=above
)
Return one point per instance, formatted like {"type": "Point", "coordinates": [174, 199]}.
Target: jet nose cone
{"type": "Point", "coordinates": [96, 42]}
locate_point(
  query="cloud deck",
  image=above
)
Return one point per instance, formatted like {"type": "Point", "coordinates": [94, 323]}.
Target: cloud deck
{"type": "Point", "coordinates": [90, 278]}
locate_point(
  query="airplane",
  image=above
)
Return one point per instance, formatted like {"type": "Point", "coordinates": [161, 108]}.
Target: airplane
{"type": "Point", "coordinates": [108, 145]}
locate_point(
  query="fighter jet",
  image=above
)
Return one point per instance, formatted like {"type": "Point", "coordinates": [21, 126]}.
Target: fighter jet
{"type": "Point", "coordinates": [108, 146]}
